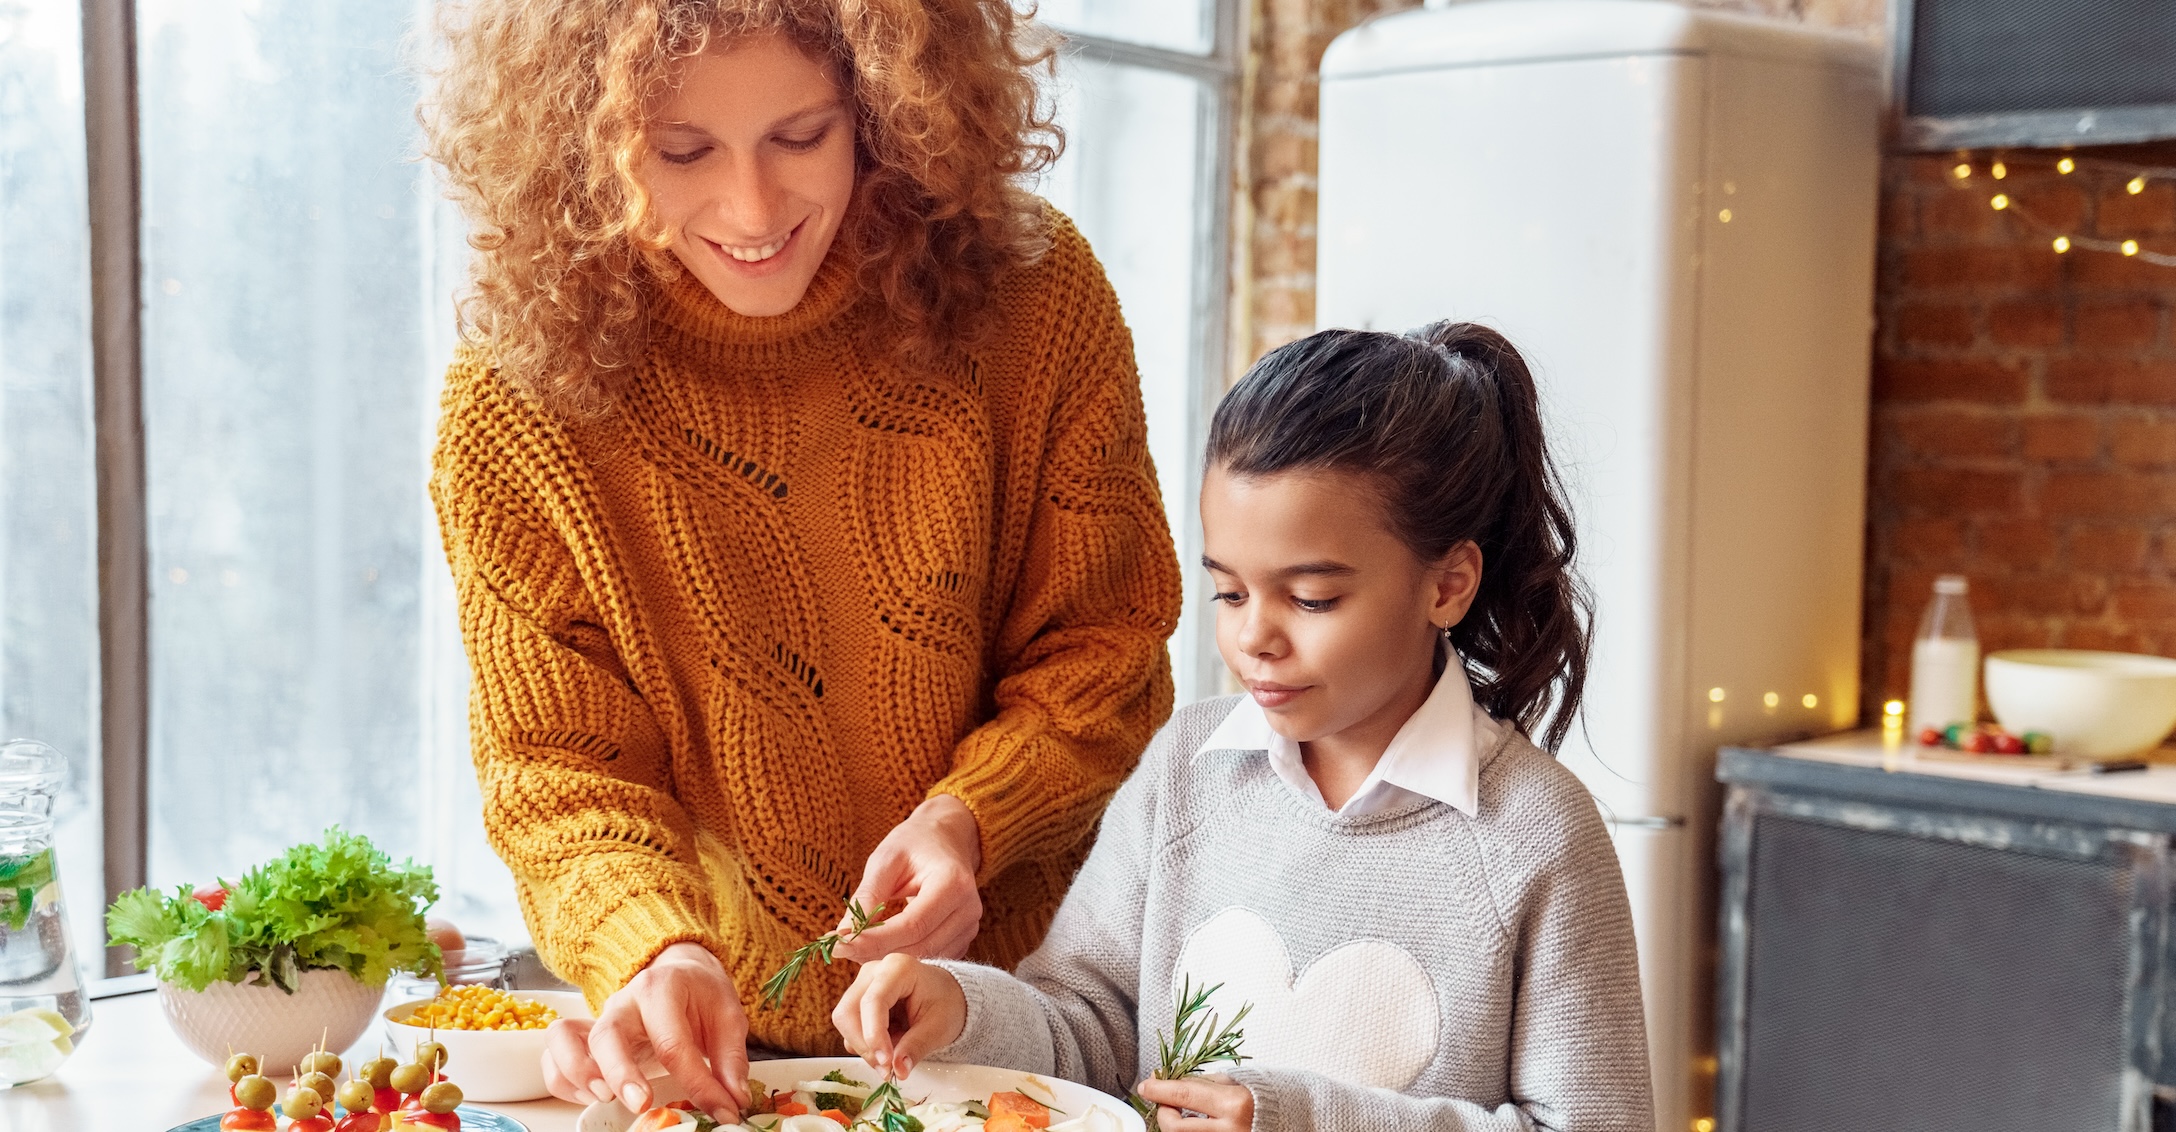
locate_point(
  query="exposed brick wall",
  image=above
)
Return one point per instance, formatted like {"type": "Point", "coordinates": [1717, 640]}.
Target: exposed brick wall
{"type": "Point", "coordinates": [2024, 427]}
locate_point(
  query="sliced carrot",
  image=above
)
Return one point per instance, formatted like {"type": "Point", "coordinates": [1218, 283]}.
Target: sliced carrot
{"type": "Point", "coordinates": [791, 1108]}
{"type": "Point", "coordinates": [655, 1120]}
{"type": "Point", "coordinates": [1006, 1122]}
{"type": "Point", "coordinates": [1034, 1112]}
{"type": "Point", "coordinates": [835, 1114]}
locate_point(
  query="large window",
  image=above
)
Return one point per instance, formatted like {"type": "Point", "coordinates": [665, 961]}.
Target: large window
{"type": "Point", "coordinates": [294, 268]}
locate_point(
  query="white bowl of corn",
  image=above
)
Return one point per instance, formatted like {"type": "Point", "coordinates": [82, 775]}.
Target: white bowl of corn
{"type": "Point", "coordinates": [494, 1039]}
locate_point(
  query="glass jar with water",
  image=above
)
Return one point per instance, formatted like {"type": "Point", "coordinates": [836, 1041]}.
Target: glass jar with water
{"type": "Point", "coordinates": [43, 1012]}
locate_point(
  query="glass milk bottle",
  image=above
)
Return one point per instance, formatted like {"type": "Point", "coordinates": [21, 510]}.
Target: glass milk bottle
{"type": "Point", "coordinates": [42, 1007]}
{"type": "Point", "coordinates": [1945, 660]}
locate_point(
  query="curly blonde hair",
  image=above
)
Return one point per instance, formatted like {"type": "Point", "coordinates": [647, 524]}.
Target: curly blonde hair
{"type": "Point", "coordinates": [538, 118]}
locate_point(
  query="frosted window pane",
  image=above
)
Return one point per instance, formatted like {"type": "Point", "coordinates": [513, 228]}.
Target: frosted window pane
{"type": "Point", "coordinates": [48, 502]}
{"type": "Point", "coordinates": [1181, 25]}
{"type": "Point", "coordinates": [297, 303]}
{"type": "Point", "coordinates": [1131, 179]}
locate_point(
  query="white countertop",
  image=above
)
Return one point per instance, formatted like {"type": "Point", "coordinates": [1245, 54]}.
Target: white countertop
{"type": "Point", "coordinates": [1896, 754]}
{"type": "Point", "coordinates": [131, 1074]}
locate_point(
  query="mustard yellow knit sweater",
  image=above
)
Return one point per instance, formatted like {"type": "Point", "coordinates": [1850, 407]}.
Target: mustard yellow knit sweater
{"type": "Point", "coordinates": [727, 637]}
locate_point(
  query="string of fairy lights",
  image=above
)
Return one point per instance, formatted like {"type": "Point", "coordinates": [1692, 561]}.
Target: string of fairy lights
{"type": "Point", "coordinates": [2066, 241]}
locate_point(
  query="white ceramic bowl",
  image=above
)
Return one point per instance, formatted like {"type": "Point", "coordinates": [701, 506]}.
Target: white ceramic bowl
{"type": "Point", "coordinates": [2096, 705]}
{"type": "Point", "coordinates": [489, 1065]}
{"type": "Point", "coordinates": [328, 1010]}
{"type": "Point", "coordinates": [929, 1081]}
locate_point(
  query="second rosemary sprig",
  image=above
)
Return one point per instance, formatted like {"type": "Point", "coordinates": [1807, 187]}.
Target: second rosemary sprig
{"type": "Point", "coordinates": [1197, 1040]}
{"type": "Point", "coordinates": [858, 920]}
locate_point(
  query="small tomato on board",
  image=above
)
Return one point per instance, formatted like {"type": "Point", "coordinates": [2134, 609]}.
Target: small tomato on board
{"type": "Point", "coordinates": [360, 1122]}
{"type": "Point", "coordinates": [248, 1120]}
{"type": "Point", "coordinates": [211, 896]}
{"type": "Point", "coordinates": [312, 1124]}
{"type": "Point", "coordinates": [449, 1121]}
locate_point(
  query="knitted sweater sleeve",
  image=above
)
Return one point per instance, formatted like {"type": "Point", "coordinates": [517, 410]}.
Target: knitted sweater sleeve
{"type": "Point", "coordinates": [572, 763]}
{"type": "Point", "coordinates": [1083, 678]}
{"type": "Point", "coordinates": [1070, 1011]}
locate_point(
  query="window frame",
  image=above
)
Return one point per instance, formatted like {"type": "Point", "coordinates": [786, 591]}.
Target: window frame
{"type": "Point", "coordinates": [114, 186]}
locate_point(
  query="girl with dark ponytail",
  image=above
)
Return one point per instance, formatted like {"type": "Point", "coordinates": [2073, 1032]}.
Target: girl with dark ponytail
{"type": "Point", "coordinates": [1421, 906]}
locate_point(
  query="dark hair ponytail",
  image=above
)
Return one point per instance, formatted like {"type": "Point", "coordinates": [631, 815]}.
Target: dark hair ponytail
{"type": "Point", "coordinates": [1447, 420]}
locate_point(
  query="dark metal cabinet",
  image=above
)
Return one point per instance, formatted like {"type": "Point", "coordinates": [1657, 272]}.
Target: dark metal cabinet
{"type": "Point", "coordinates": [1925, 954]}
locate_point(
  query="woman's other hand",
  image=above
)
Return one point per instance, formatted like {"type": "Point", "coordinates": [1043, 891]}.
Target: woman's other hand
{"type": "Point", "coordinates": [1222, 1104]}
{"type": "Point", "coordinates": [923, 872]}
{"type": "Point", "coordinates": [898, 1010]}
{"type": "Point", "coordinates": [682, 1008]}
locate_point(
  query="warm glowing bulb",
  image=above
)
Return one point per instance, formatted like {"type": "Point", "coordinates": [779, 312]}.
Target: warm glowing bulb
{"type": "Point", "coordinates": [1771, 699]}
{"type": "Point", "coordinates": [1961, 171]}
{"type": "Point", "coordinates": [2000, 170]}
{"type": "Point", "coordinates": [1723, 216]}
{"type": "Point", "coordinates": [2130, 247]}
{"type": "Point", "coordinates": [1715, 695]}
{"type": "Point", "coordinates": [1810, 700]}
{"type": "Point", "coordinates": [2065, 165]}
{"type": "Point", "coordinates": [1704, 1124]}
{"type": "Point", "coordinates": [2000, 202]}
{"type": "Point", "coordinates": [2136, 185]}
{"type": "Point", "coordinates": [1893, 709]}
{"type": "Point", "coordinates": [2062, 244]}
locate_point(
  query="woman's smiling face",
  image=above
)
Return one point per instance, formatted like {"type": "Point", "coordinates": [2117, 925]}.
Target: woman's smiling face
{"type": "Point", "coordinates": [751, 163]}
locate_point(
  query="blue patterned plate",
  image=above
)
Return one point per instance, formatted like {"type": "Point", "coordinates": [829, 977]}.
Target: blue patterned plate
{"type": "Point", "coordinates": [473, 1119]}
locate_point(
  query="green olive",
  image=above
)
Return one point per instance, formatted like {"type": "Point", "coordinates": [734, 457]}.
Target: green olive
{"type": "Point", "coordinates": [256, 1092]}
{"type": "Point", "coordinates": [302, 1104]}
{"type": "Point", "coordinates": [355, 1096]}
{"type": "Point", "coordinates": [431, 1055]}
{"type": "Point", "coordinates": [317, 1083]}
{"type": "Point", "coordinates": [241, 1065]}
{"type": "Point", "coordinates": [322, 1062]}
{"type": "Point", "coordinates": [442, 1098]}
{"type": "Point", "coordinates": [411, 1079]}
{"type": "Point", "coordinates": [378, 1071]}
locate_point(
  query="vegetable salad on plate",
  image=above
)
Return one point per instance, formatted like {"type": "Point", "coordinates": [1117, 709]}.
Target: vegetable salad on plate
{"type": "Point", "coordinates": [838, 1103]}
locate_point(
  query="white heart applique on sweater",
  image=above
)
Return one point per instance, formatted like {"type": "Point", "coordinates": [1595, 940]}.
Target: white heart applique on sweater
{"type": "Point", "coordinates": [1364, 1012]}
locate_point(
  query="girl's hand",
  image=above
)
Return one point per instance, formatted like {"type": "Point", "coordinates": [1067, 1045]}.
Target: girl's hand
{"type": "Point", "coordinates": [899, 1009]}
{"type": "Point", "coordinates": [923, 872]}
{"type": "Point", "coordinates": [1224, 1105]}
{"type": "Point", "coordinates": [683, 1008]}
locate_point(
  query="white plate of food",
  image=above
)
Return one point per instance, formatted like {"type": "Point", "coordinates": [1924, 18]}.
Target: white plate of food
{"type": "Point", "coordinates": [940, 1098]}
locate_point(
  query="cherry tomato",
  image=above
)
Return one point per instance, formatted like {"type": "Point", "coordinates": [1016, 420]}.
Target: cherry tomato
{"type": "Point", "coordinates": [248, 1120]}
{"type": "Point", "coordinates": [2009, 744]}
{"type": "Point", "coordinates": [211, 896]}
{"type": "Point", "coordinates": [1930, 737]}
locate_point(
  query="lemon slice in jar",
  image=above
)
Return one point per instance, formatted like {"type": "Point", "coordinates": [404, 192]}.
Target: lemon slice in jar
{"type": "Point", "coordinates": [33, 1043]}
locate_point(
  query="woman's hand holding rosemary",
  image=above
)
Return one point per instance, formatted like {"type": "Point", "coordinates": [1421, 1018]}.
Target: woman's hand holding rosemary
{"type": "Point", "coordinates": [858, 921]}
{"type": "Point", "coordinates": [1197, 1040]}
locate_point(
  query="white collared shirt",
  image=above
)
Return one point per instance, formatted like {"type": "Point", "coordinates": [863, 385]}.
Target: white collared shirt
{"type": "Point", "coordinates": [1435, 755]}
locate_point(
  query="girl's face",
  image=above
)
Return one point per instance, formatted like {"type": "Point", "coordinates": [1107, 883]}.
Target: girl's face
{"type": "Point", "coordinates": [1324, 615]}
{"type": "Point", "coordinates": [751, 162]}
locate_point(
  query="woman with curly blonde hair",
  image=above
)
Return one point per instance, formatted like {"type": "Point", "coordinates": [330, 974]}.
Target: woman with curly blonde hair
{"type": "Point", "coordinates": [794, 478]}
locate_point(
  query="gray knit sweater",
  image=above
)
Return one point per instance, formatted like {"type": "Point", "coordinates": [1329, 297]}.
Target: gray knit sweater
{"type": "Point", "coordinates": [1415, 969]}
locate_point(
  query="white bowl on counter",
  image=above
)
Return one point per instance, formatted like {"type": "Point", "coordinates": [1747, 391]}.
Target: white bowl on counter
{"type": "Point", "coordinates": [930, 1081]}
{"type": "Point", "coordinates": [328, 1010]}
{"type": "Point", "coordinates": [2096, 705]}
{"type": "Point", "coordinates": [491, 1066]}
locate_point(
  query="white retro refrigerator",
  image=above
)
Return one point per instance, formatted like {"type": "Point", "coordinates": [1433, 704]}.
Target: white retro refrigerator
{"type": "Point", "coordinates": [1672, 213]}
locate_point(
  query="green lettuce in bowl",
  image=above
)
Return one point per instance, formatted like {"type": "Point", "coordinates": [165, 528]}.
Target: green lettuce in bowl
{"type": "Point", "coordinates": [339, 904]}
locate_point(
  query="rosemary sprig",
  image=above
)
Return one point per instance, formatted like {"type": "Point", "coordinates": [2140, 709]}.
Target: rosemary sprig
{"type": "Point", "coordinates": [858, 920]}
{"type": "Point", "coordinates": [885, 1109]}
{"type": "Point", "coordinates": [1195, 1042]}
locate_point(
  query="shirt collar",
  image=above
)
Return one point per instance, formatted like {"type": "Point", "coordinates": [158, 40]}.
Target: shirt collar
{"type": "Point", "coordinates": [1436, 753]}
